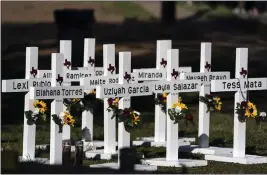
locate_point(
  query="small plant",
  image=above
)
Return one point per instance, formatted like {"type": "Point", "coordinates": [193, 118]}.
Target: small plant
{"type": "Point", "coordinates": [245, 110]}
{"type": "Point", "coordinates": [128, 116]}
{"type": "Point", "coordinates": [64, 118]}
{"type": "Point", "coordinates": [213, 103]}
{"type": "Point", "coordinates": [38, 113]}
{"type": "Point", "coordinates": [180, 111]}
{"type": "Point", "coordinates": [161, 100]}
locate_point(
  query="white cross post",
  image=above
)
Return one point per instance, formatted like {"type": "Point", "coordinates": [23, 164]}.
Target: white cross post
{"type": "Point", "coordinates": [205, 76]}
{"type": "Point", "coordinates": [87, 116]}
{"type": "Point", "coordinates": [124, 89]}
{"type": "Point", "coordinates": [65, 49]}
{"type": "Point", "coordinates": [70, 75]}
{"type": "Point", "coordinates": [157, 74]}
{"type": "Point", "coordinates": [22, 85]}
{"type": "Point", "coordinates": [241, 85]}
{"type": "Point", "coordinates": [57, 92]}
{"type": "Point", "coordinates": [173, 86]}
{"type": "Point", "coordinates": [110, 77]}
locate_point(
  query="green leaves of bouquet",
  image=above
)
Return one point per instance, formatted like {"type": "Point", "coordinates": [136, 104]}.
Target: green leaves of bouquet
{"type": "Point", "coordinates": [64, 118]}
{"type": "Point", "coordinates": [180, 111]}
{"type": "Point", "coordinates": [129, 117]}
{"type": "Point", "coordinates": [76, 106]}
{"type": "Point", "coordinates": [213, 103]}
{"type": "Point", "coordinates": [38, 113]}
{"type": "Point", "coordinates": [161, 100]}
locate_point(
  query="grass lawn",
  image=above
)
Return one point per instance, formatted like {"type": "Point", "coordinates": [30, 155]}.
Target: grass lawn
{"type": "Point", "coordinates": [220, 135]}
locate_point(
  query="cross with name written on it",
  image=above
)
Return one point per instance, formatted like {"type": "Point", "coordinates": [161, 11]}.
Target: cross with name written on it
{"type": "Point", "coordinates": [241, 85]}
{"type": "Point", "coordinates": [73, 75]}
{"type": "Point", "coordinates": [205, 75]}
{"type": "Point", "coordinates": [57, 92]}
{"type": "Point", "coordinates": [174, 87]}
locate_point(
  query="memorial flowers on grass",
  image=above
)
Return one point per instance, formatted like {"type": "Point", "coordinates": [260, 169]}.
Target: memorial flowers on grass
{"type": "Point", "coordinates": [129, 117]}
{"type": "Point", "coordinates": [213, 103]}
{"type": "Point", "coordinates": [180, 111]}
{"type": "Point", "coordinates": [64, 118]}
{"type": "Point", "coordinates": [161, 100]}
{"type": "Point", "coordinates": [39, 112]}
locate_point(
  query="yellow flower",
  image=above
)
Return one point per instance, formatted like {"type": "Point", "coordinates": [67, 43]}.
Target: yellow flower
{"type": "Point", "coordinates": [251, 110]}
{"type": "Point", "coordinates": [75, 100]}
{"type": "Point", "coordinates": [42, 107]}
{"type": "Point", "coordinates": [164, 94]}
{"type": "Point", "coordinates": [35, 103]}
{"type": "Point", "coordinates": [179, 104]}
{"type": "Point", "coordinates": [68, 119]}
{"type": "Point", "coordinates": [183, 106]}
{"type": "Point", "coordinates": [116, 102]}
{"type": "Point", "coordinates": [136, 118]}
{"type": "Point", "coordinates": [218, 106]}
{"type": "Point", "coordinates": [179, 99]}
{"type": "Point", "coordinates": [93, 91]}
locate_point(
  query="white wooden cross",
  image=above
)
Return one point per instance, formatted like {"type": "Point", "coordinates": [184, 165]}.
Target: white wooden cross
{"type": "Point", "coordinates": [74, 74]}
{"type": "Point", "coordinates": [241, 85]}
{"type": "Point", "coordinates": [57, 92]}
{"type": "Point", "coordinates": [91, 83]}
{"type": "Point", "coordinates": [173, 86]}
{"type": "Point", "coordinates": [205, 76]}
{"type": "Point", "coordinates": [22, 85]}
{"type": "Point", "coordinates": [156, 74]}
{"type": "Point", "coordinates": [124, 89]}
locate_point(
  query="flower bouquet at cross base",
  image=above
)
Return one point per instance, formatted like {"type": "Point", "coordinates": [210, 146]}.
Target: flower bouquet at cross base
{"type": "Point", "coordinates": [129, 117]}
{"type": "Point", "coordinates": [213, 103]}
{"type": "Point", "coordinates": [180, 111]}
{"type": "Point", "coordinates": [76, 106]}
{"type": "Point", "coordinates": [247, 109]}
{"type": "Point", "coordinates": [39, 112]}
{"type": "Point", "coordinates": [161, 100]}
{"type": "Point", "coordinates": [64, 118]}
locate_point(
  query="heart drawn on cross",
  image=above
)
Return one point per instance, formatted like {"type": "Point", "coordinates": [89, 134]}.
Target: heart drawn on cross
{"type": "Point", "coordinates": [127, 77]}
{"type": "Point", "coordinates": [243, 72]}
{"type": "Point", "coordinates": [208, 66]}
{"type": "Point", "coordinates": [91, 61]}
{"type": "Point", "coordinates": [59, 79]}
{"type": "Point", "coordinates": [175, 73]}
{"type": "Point", "coordinates": [67, 63]}
{"type": "Point", "coordinates": [111, 68]}
{"type": "Point", "coordinates": [163, 62]}
{"type": "Point", "coordinates": [33, 72]}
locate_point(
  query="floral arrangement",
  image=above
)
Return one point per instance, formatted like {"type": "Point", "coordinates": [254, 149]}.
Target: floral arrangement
{"type": "Point", "coordinates": [245, 110]}
{"type": "Point", "coordinates": [180, 111]}
{"type": "Point", "coordinates": [128, 116]}
{"type": "Point", "coordinates": [213, 103]}
{"type": "Point", "coordinates": [39, 112]}
{"type": "Point", "coordinates": [161, 100]}
{"type": "Point", "coordinates": [75, 106]}
{"type": "Point", "coordinates": [64, 118]}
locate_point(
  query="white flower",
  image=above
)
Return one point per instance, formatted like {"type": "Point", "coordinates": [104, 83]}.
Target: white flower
{"type": "Point", "coordinates": [138, 113]}
{"type": "Point", "coordinates": [61, 115]}
{"type": "Point", "coordinates": [35, 111]}
{"type": "Point", "coordinates": [210, 100]}
{"type": "Point", "coordinates": [81, 103]}
{"type": "Point", "coordinates": [178, 109]}
{"type": "Point", "coordinates": [263, 114]}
